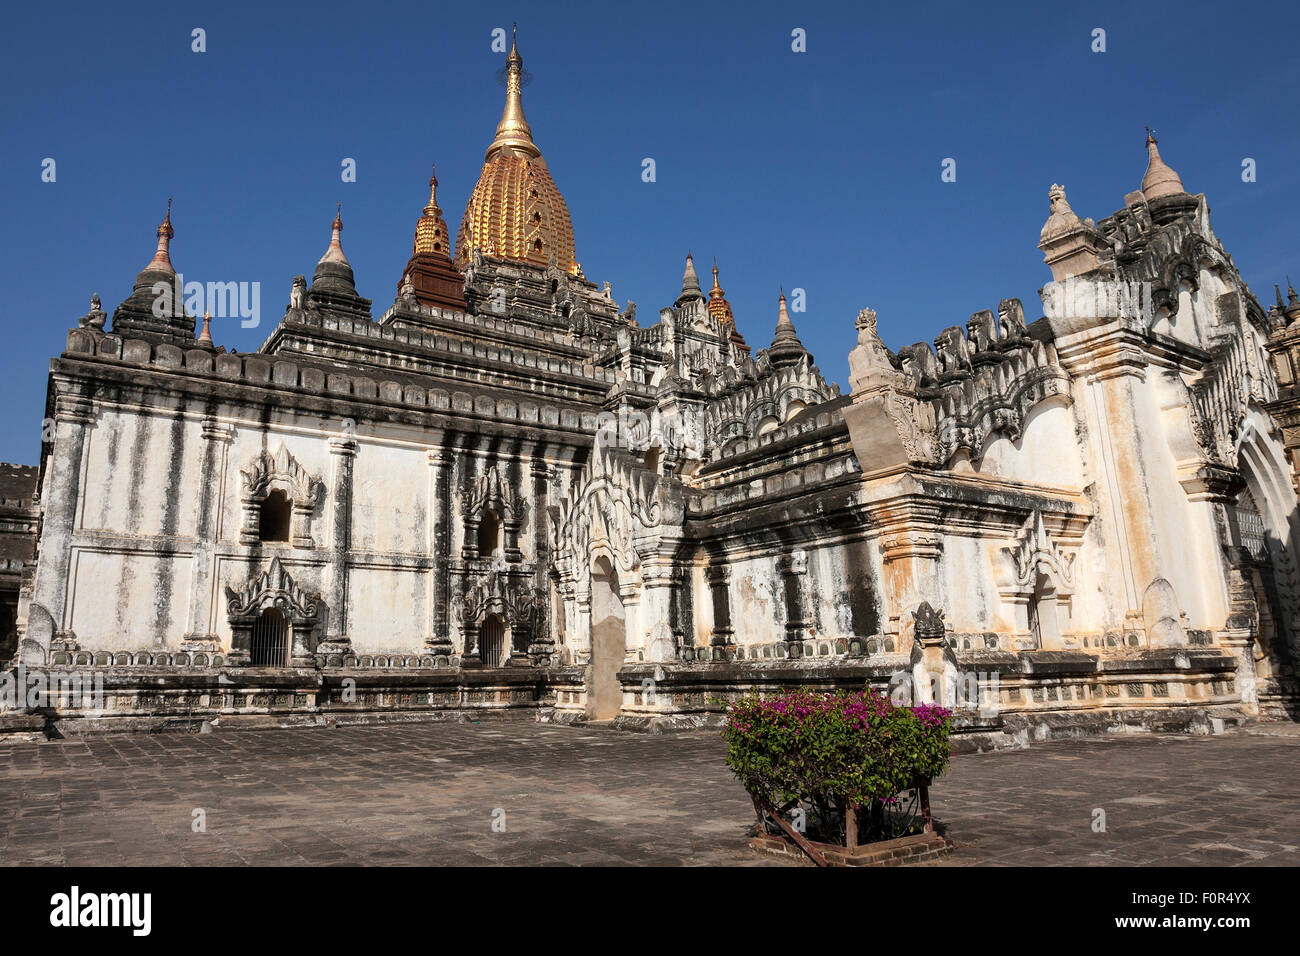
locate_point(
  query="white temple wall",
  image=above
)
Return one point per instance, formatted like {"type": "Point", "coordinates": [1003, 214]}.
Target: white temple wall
{"type": "Point", "coordinates": [120, 599]}
{"type": "Point", "coordinates": [842, 589]}
{"type": "Point", "coordinates": [141, 472]}
{"type": "Point", "coordinates": [391, 498]}
{"type": "Point", "coordinates": [970, 599]}
{"type": "Point", "coordinates": [388, 610]}
{"type": "Point", "coordinates": [757, 597]}
{"type": "Point", "coordinates": [1047, 452]}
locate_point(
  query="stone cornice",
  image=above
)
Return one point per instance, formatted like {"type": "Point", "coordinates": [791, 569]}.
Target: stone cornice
{"type": "Point", "coordinates": [306, 388]}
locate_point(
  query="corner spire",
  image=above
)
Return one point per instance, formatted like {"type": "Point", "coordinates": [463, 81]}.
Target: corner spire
{"type": "Point", "coordinates": [513, 131]}
{"type": "Point", "coordinates": [335, 251]}
{"type": "Point", "coordinates": [432, 278]}
{"type": "Point", "coordinates": [162, 261]}
{"type": "Point", "coordinates": [149, 313]}
{"type": "Point", "coordinates": [720, 309]}
{"type": "Point", "coordinates": [431, 230]}
{"type": "Point", "coordinates": [690, 283]}
{"type": "Point", "coordinates": [1160, 179]}
{"type": "Point", "coordinates": [786, 349]}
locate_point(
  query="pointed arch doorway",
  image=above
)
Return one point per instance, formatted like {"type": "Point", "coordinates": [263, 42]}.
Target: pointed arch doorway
{"type": "Point", "coordinates": [608, 642]}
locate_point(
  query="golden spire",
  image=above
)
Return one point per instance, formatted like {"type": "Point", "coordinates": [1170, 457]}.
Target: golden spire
{"type": "Point", "coordinates": [515, 211]}
{"type": "Point", "coordinates": [720, 309]}
{"type": "Point", "coordinates": [513, 129]}
{"type": "Point", "coordinates": [162, 260]}
{"type": "Point", "coordinates": [1159, 180]}
{"type": "Point", "coordinates": [431, 230]}
{"type": "Point", "coordinates": [718, 306]}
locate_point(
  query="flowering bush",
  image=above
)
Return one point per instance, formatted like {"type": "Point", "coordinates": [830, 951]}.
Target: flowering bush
{"type": "Point", "coordinates": [833, 751]}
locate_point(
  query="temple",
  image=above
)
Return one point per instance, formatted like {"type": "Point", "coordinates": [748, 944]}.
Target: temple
{"type": "Point", "coordinates": [505, 496]}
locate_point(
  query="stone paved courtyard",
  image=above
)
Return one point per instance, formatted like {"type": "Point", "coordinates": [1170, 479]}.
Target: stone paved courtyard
{"type": "Point", "coordinates": [426, 795]}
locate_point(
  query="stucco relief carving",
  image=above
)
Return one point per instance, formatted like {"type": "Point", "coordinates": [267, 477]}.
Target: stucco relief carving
{"type": "Point", "coordinates": [620, 503]}
{"type": "Point", "coordinates": [273, 588]}
{"type": "Point", "coordinates": [1037, 582]}
{"type": "Point", "coordinates": [1036, 553]}
{"type": "Point", "coordinates": [276, 588]}
{"type": "Point", "coordinates": [268, 472]}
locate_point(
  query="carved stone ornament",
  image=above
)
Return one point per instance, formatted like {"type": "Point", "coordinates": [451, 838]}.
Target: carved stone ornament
{"type": "Point", "coordinates": [1036, 552]}
{"type": "Point", "coordinates": [276, 588]}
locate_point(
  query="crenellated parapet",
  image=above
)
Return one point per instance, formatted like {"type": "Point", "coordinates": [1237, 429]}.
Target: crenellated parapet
{"type": "Point", "coordinates": [313, 383]}
{"type": "Point", "coordinates": [975, 383]}
{"type": "Point", "coordinates": [762, 406]}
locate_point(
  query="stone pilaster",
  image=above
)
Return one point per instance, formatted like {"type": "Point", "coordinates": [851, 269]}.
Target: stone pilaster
{"type": "Point", "coordinates": [657, 596]}
{"type": "Point", "coordinates": [334, 576]}
{"type": "Point", "coordinates": [724, 641]}
{"type": "Point", "coordinates": [1241, 629]}
{"type": "Point", "coordinates": [1109, 359]}
{"type": "Point", "coordinates": [542, 648]}
{"type": "Point", "coordinates": [47, 624]}
{"type": "Point", "coordinates": [794, 573]}
{"type": "Point", "coordinates": [911, 547]}
{"type": "Point", "coordinates": [217, 438]}
{"type": "Point", "coordinates": [439, 641]}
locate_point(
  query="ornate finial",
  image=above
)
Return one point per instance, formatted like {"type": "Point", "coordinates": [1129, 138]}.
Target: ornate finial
{"type": "Point", "coordinates": [866, 320]}
{"type": "Point", "coordinates": [782, 316]}
{"type": "Point", "coordinates": [513, 130]}
{"type": "Point", "coordinates": [162, 260]}
{"type": "Point", "coordinates": [690, 282]}
{"type": "Point", "coordinates": [786, 349]}
{"type": "Point", "coordinates": [1160, 179]}
{"type": "Point", "coordinates": [431, 209]}
{"type": "Point", "coordinates": [335, 250]}
{"type": "Point", "coordinates": [716, 292]}
{"type": "Point", "coordinates": [1292, 310]}
{"type": "Point", "coordinates": [205, 337]}
{"type": "Point", "coordinates": [1061, 218]}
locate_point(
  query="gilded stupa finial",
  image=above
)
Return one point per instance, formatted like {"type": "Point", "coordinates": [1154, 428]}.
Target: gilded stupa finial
{"type": "Point", "coordinates": [513, 131]}
{"type": "Point", "coordinates": [431, 230]}
{"type": "Point", "coordinates": [432, 208]}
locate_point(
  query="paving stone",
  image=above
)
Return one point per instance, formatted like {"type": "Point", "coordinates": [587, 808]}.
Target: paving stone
{"type": "Point", "coordinates": [426, 795]}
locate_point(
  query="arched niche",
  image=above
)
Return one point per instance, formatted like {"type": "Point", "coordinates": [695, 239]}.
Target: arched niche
{"type": "Point", "coordinates": [608, 641]}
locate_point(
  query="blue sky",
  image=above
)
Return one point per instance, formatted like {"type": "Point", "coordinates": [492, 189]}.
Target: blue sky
{"type": "Point", "coordinates": [817, 170]}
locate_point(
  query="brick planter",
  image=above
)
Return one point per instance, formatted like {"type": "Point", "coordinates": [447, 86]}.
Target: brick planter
{"type": "Point", "coordinates": [917, 848]}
